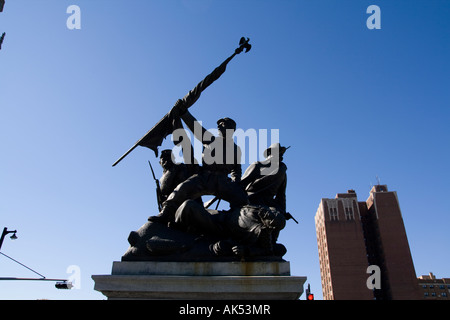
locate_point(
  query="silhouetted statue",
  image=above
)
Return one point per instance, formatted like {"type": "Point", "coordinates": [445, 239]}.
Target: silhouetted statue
{"type": "Point", "coordinates": [265, 181]}
{"type": "Point", "coordinates": [184, 230]}
{"type": "Point", "coordinates": [221, 157]}
{"type": "Point", "coordinates": [242, 231]}
{"type": "Point", "coordinates": [166, 126]}
{"type": "Point", "coordinates": [173, 174]}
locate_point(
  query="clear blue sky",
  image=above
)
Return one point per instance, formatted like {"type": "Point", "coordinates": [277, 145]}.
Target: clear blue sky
{"type": "Point", "coordinates": [353, 103]}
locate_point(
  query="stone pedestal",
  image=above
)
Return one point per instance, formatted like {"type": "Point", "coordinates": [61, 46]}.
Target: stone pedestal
{"type": "Point", "coordinates": [200, 281]}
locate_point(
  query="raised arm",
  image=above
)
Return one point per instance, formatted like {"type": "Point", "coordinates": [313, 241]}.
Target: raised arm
{"type": "Point", "coordinates": [200, 133]}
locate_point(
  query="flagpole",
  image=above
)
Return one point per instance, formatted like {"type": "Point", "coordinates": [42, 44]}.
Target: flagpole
{"type": "Point", "coordinates": [188, 100]}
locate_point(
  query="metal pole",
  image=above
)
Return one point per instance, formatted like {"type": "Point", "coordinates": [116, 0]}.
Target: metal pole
{"type": "Point", "coordinates": [31, 279]}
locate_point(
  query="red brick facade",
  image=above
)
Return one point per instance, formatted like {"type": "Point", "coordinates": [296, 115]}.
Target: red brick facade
{"type": "Point", "coordinates": [352, 235]}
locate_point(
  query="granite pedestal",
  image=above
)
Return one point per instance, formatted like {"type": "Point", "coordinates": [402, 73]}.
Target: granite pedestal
{"type": "Point", "coordinates": [200, 281]}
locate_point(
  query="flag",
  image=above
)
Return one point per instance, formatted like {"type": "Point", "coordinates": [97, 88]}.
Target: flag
{"type": "Point", "coordinates": [155, 136]}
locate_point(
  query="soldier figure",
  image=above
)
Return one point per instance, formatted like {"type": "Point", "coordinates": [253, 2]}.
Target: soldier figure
{"type": "Point", "coordinates": [265, 181]}
{"type": "Point", "coordinates": [243, 231]}
{"type": "Point", "coordinates": [173, 174]}
{"type": "Point", "coordinates": [221, 156]}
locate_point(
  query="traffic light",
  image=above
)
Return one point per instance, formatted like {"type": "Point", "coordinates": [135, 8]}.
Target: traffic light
{"type": "Point", "coordinates": [63, 285]}
{"type": "Point", "coordinates": [309, 295]}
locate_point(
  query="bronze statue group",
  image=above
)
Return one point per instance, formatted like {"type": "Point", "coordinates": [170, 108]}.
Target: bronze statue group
{"type": "Point", "coordinates": [257, 199]}
{"type": "Point", "coordinates": [186, 229]}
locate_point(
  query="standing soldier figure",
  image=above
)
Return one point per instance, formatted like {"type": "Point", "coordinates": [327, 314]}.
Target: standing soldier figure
{"type": "Point", "coordinates": [221, 156]}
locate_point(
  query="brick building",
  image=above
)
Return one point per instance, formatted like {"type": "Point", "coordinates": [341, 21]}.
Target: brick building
{"type": "Point", "coordinates": [353, 235]}
{"type": "Point", "coordinates": [434, 289]}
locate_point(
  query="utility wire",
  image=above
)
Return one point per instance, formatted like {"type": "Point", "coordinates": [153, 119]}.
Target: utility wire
{"type": "Point", "coordinates": [43, 277]}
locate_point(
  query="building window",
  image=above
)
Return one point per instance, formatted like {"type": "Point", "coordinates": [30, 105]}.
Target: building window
{"type": "Point", "coordinates": [444, 294]}
{"type": "Point", "coordinates": [425, 294]}
{"type": "Point", "coordinates": [349, 214]}
{"type": "Point", "coordinates": [433, 294]}
{"type": "Point", "coordinates": [441, 286]}
{"type": "Point", "coordinates": [333, 214]}
{"type": "Point", "coordinates": [424, 286]}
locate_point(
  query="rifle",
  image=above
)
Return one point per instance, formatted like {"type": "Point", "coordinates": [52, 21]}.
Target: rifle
{"type": "Point", "coordinates": [158, 188]}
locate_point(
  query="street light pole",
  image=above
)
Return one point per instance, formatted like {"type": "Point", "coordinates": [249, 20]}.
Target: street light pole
{"type": "Point", "coordinates": [60, 284]}
{"type": "Point", "coordinates": [4, 233]}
